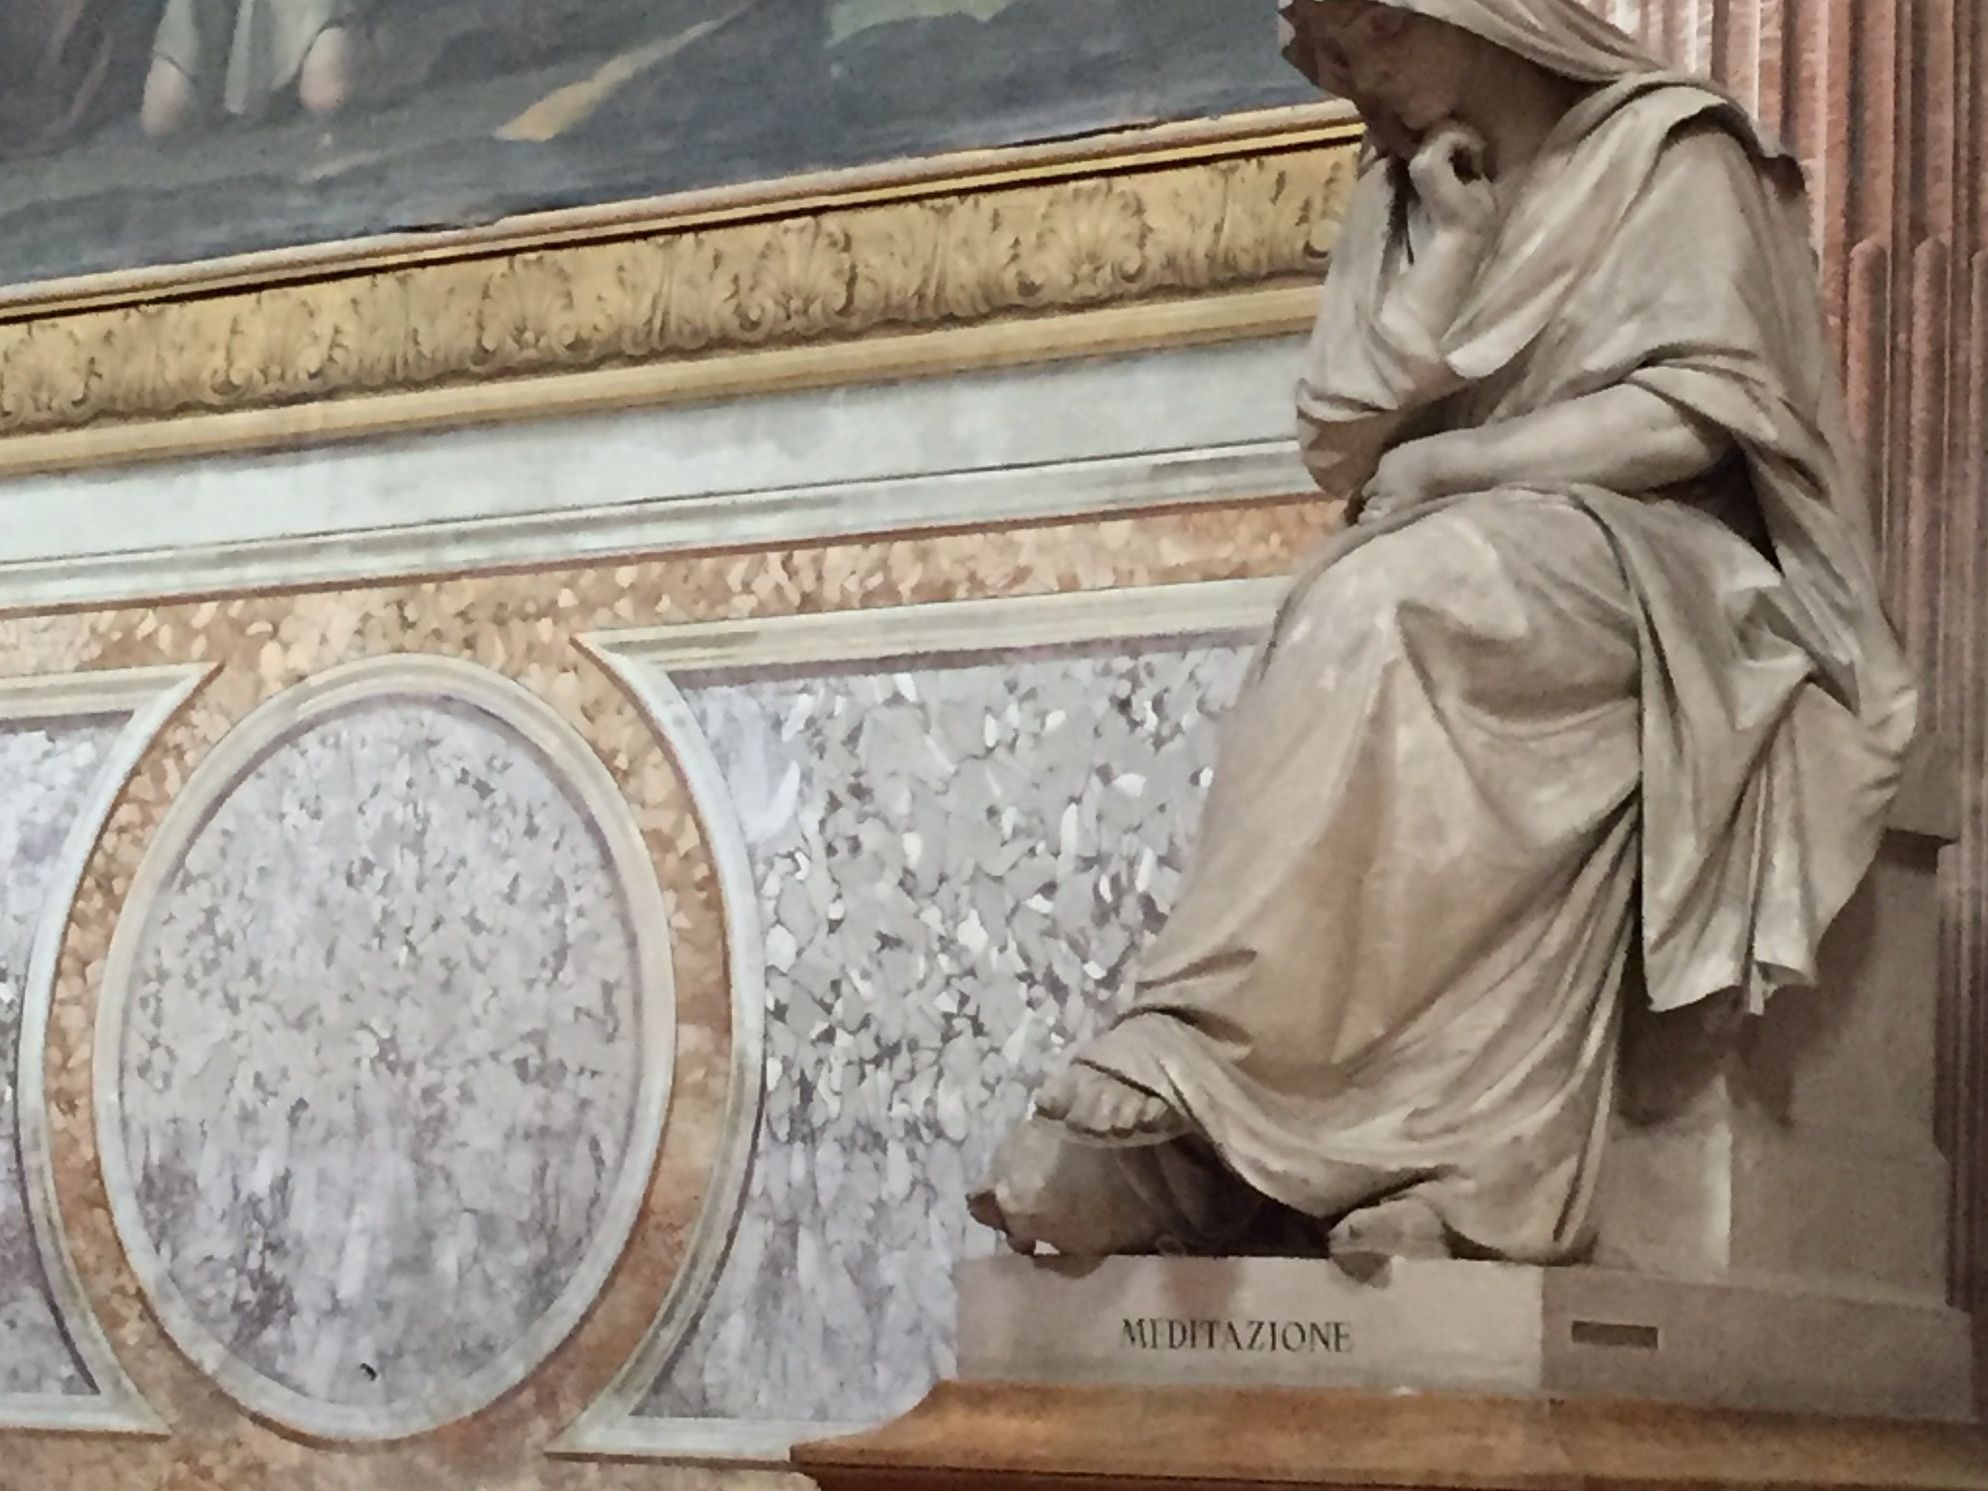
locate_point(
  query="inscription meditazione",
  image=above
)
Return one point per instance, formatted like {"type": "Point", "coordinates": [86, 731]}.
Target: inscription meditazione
{"type": "Point", "coordinates": [1293, 1337]}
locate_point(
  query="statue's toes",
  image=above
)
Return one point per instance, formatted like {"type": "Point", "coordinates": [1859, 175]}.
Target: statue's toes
{"type": "Point", "coordinates": [1100, 1107]}
{"type": "Point", "coordinates": [1125, 1115]}
{"type": "Point", "coordinates": [1400, 1227]}
{"type": "Point", "coordinates": [1153, 1118]}
{"type": "Point", "coordinates": [1156, 1116]}
{"type": "Point", "coordinates": [1058, 1096]}
{"type": "Point", "coordinates": [984, 1206]}
{"type": "Point", "coordinates": [1095, 1110]}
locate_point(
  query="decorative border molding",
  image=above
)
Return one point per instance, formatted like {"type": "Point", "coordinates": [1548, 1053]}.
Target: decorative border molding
{"type": "Point", "coordinates": [1266, 471]}
{"type": "Point", "coordinates": [1001, 264]}
{"type": "Point", "coordinates": [580, 771]}
{"type": "Point", "coordinates": [651, 661]}
{"type": "Point", "coordinates": [609, 1427]}
{"type": "Point", "coordinates": [63, 696]}
{"type": "Point", "coordinates": [885, 181]}
{"type": "Point", "coordinates": [944, 630]}
{"type": "Point", "coordinates": [148, 698]}
{"type": "Point", "coordinates": [734, 1445]}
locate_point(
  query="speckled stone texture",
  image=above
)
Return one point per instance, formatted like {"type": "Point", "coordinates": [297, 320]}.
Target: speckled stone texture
{"type": "Point", "coordinates": [45, 774]}
{"type": "Point", "coordinates": [381, 1054]}
{"type": "Point", "coordinates": [523, 626]}
{"type": "Point", "coordinates": [956, 867]}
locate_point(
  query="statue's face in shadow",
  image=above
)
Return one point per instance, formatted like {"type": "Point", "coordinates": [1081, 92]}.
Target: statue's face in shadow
{"type": "Point", "coordinates": [1404, 72]}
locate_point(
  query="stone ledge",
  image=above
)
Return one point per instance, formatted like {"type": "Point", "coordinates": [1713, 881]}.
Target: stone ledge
{"type": "Point", "coordinates": [1454, 1326]}
{"type": "Point", "coordinates": [1036, 1437]}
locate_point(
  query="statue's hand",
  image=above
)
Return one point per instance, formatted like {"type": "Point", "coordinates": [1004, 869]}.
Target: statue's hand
{"type": "Point", "coordinates": [1406, 477]}
{"type": "Point", "coordinates": [1450, 177]}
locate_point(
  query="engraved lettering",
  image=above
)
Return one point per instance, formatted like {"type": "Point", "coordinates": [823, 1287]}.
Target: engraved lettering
{"type": "Point", "coordinates": [1183, 1333]}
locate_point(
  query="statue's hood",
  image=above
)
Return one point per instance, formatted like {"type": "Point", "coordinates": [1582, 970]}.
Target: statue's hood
{"type": "Point", "coordinates": [1562, 36]}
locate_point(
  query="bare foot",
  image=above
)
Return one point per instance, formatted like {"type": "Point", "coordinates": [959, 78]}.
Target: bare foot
{"type": "Point", "coordinates": [1401, 1227]}
{"type": "Point", "coordinates": [984, 1206]}
{"type": "Point", "coordinates": [1097, 1105]}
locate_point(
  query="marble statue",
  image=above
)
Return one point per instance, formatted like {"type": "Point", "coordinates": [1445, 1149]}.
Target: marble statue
{"type": "Point", "coordinates": [1593, 699]}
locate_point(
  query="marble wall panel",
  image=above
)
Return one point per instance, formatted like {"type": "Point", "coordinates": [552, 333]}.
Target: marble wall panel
{"type": "Point", "coordinates": [522, 626]}
{"type": "Point", "coordinates": [380, 1054]}
{"type": "Point", "coordinates": [956, 867]}
{"type": "Point", "coordinates": [46, 771]}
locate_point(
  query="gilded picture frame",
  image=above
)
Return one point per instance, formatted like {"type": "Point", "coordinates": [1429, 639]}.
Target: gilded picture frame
{"type": "Point", "coordinates": [1166, 235]}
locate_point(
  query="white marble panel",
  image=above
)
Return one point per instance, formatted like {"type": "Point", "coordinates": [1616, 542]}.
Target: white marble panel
{"type": "Point", "coordinates": [46, 772]}
{"type": "Point", "coordinates": [1195, 424]}
{"type": "Point", "coordinates": [381, 1060]}
{"type": "Point", "coordinates": [956, 866]}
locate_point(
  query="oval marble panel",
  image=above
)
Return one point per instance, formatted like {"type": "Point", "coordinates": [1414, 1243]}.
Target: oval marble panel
{"type": "Point", "coordinates": [385, 1047]}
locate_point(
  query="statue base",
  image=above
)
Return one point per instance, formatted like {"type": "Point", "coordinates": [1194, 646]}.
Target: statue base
{"type": "Point", "coordinates": [1464, 1327]}
{"type": "Point", "coordinates": [997, 1436]}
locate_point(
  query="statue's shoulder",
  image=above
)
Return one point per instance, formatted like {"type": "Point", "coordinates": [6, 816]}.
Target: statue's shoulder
{"type": "Point", "coordinates": [1676, 113]}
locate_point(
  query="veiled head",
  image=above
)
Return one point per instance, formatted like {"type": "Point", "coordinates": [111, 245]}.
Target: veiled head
{"type": "Point", "coordinates": [1403, 71]}
{"type": "Point", "coordinates": [1407, 64]}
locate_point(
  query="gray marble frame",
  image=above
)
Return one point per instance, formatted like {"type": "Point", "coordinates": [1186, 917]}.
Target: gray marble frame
{"type": "Point", "coordinates": [608, 1426]}
{"type": "Point", "coordinates": [573, 762]}
{"type": "Point", "coordinates": [147, 698]}
{"type": "Point", "coordinates": [1022, 444]}
{"type": "Point", "coordinates": [324, 551]}
{"type": "Point", "coordinates": [649, 662]}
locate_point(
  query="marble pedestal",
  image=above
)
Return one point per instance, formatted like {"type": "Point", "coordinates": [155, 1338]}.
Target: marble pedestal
{"type": "Point", "coordinates": [1773, 1227]}
{"type": "Point", "coordinates": [1452, 1326]}
{"type": "Point", "coordinates": [1800, 1150]}
{"type": "Point", "coordinates": [1770, 1309]}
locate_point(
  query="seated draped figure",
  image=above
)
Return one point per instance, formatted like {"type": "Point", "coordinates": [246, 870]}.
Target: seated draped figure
{"type": "Point", "coordinates": [1594, 693]}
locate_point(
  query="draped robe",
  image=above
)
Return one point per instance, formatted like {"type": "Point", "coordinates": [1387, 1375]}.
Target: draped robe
{"type": "Point", "coordinates": [1502, 745]}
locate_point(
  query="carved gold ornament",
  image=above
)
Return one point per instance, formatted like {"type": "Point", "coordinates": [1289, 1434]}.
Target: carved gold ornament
{"type": "Point", "coordinates": [1161, 242]}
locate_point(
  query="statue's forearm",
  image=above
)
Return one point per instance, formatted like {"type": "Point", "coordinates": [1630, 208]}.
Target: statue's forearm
{"type": "Point", "coordinates": [1624, 438]}
{"type": "Point", "coordinates": [1430, 293]}
{"type": "Point", "coordinates": [1342, 453]}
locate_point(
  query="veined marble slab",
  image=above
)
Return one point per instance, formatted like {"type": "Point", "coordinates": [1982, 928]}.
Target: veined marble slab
{"type": "Point", "coordinates": [46, 772]}
{"type": "Point", "coordinates": [956, 865]}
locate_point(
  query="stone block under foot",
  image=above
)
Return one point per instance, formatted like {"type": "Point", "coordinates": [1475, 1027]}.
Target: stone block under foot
{"type": "Point", "coordinates": [1458, 1326]}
